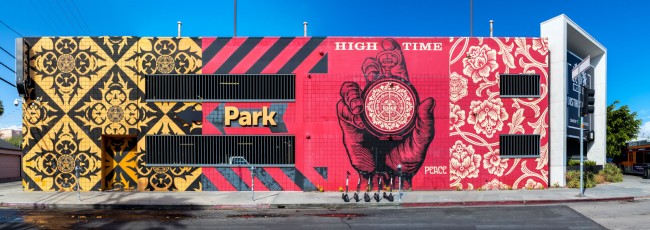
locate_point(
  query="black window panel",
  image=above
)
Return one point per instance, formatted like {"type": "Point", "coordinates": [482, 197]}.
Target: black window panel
{"type": "Point", "coordinates": [201, 150]}
{"type": "Point", "coordinates": [220, 87]}
{"type": "Point", "coordinates": [515, 145]}
{"type": "Point", "coordinates": [519, 85]}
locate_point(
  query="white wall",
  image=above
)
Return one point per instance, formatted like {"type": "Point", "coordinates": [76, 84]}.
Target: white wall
{"type": "Point", "coordinates": [563, 35]}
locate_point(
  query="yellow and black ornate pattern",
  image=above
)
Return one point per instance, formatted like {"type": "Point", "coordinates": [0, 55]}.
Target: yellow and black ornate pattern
{"type": "Point", "coordinates": [112, 109]}
{"type": "Point", "coordinates": [51, 164]}
{"type": "Point", "coordinates": [38, 118]}
{"type": "Point", "coordinates": [87, 109]}
{"type": "Point", "coordinates": [120, 163]}
{"type": "Point", "coordinates": [66, 68]}
{"type": "Point", "coordinates": [168, 56]}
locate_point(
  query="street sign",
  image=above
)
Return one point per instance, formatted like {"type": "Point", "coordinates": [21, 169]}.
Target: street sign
{"type": "Point", "coordinates": [584, 65]}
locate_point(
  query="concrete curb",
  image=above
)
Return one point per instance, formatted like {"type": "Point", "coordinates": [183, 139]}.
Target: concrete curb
{"type": "Point", "coordinates": [351, 205]}
{"type": "Point", "coordinates": [514, 202]}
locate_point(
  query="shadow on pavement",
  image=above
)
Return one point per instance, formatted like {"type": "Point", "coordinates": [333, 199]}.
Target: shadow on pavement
{"type": "Point", "coordinates": [99, 216]}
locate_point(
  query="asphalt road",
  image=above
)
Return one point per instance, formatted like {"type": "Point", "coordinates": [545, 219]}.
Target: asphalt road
{"type": "Point", "coordinates": [617, 215]}
{"type": "Point", "coordinates": [501, 217]}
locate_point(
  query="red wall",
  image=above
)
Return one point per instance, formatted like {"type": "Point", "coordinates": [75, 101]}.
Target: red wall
{"type": "Point", "coordinates": [457, 119]}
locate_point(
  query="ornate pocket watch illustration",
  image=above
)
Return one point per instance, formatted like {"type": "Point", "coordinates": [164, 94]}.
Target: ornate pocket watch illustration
{"type": "Point", "coordinates": [390, 104]}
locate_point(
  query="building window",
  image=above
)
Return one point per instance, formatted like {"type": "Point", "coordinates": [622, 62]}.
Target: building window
{"type": "Point", "coordinates": [519, 145]}
{"type": "Point", "coordinates": [221, 87]}
{"type": "Point", "coordinates": [519, 85]}
{"type": "Point", "coordinates": [227, 151]}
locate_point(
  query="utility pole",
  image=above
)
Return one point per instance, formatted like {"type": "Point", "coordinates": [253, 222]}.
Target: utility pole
{"type": "Point", "coordinates": [471, 17]}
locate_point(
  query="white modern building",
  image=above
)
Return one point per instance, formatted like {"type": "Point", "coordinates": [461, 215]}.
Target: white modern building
{"type": "Point", "coordinates": [568, 45]}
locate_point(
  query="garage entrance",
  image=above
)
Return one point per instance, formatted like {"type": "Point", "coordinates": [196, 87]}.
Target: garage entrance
{"type": "Point", "coordinates": [120, 162]}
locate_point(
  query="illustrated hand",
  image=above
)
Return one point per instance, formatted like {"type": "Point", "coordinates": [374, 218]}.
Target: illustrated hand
{"type": "Point", "coordinates": [366, 151]}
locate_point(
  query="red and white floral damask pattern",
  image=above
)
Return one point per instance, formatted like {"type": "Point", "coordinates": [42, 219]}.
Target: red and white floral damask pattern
{"type": "Point", "coordinates": [478, 114]}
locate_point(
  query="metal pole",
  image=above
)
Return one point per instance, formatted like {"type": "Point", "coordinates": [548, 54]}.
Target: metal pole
{"type": "Point", "coordinates": [76, 169]}
{"type": "Point", "coordinates": [491, 27]}
{"type": "Point", "coordinates": [304, 25]}
{"type": "Point", "coordinates": [471, 6]}
{"type": "Point", "coordinates": [253, 181]}
{"type": "Point", "coordinates": [235, 21]}
{"type": "Point", "coordinates": [582, 190]}
{"type": "Point", "coordinates": [179, 28]}
{"type": "Point", "coordinates": [399, 171]}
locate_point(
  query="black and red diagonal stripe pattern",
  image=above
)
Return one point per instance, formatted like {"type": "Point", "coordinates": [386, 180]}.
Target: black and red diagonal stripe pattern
{"type": "Point", "coordinates": [269, 55]}
{"type": "Point", "coordinates": [261, 55]}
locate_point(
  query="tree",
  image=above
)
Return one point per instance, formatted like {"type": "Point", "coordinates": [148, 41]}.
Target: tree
{"type": "Point", "coordinates": [17, 140]}
{"type": "Point", "coordinates": [622, 126]}
{"type": "Point", "coordinates": [2, 109]}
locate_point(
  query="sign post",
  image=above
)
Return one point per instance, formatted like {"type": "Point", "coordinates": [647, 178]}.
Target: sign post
{"type": "Point", "coordinates": [399, 171]}
{"type": "Point", "coordinates": [582, 161]}
{"type": "Point", "coordinates": [76, 172]}
{"type": "Point", "coordinates": [584, 65]}
{"type": "Point", "coordinates": [253, 182]}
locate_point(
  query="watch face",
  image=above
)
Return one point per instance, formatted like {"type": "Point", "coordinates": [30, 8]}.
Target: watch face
{"type": "Point", "coordinates": [390, 107]}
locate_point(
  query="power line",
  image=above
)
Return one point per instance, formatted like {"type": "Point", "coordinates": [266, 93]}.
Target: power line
{"type": "Point", "coordinates": [8, 82]}
{"type": "Point", "coordinates": [3, 64]}
{"type": "Point", "coordinates": [3, 49]}
{"type": "Point", "coordinates": [70, 22]}
{"type": "Point", "coordinates": [56, 17]}
{"type": "Point", "coordinates": [49, 21]}
{"type": "Point", "coordinates": [11, 28]}
{"type": "Point", "coordinates": [73, 16]}
{"type": "Point", "coordinates": [83, 20]}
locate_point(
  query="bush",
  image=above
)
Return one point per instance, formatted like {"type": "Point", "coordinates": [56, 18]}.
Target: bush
{"type": "Point", "coordinates": [612, 173]}
{"type": "Point", "coordinates": [573, 179]}
{"type": "Point", "coordinates": [599, 178]}
{"type": "Point", "coordinates": [577, 163]}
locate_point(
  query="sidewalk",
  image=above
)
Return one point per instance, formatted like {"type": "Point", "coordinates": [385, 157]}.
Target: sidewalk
{"type": "Point", "coordinates": [11, 195]}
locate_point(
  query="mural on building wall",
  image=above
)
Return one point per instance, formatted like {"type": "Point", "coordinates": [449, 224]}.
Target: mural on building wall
{"type": "Point", "coordinates": [88, 109]}
{"type": "Point", "coordinates": [478, 115]}
{"type": "Point", "coordinates": [385, 126]}
{"type": "Point", "coordinates": [91, 89]}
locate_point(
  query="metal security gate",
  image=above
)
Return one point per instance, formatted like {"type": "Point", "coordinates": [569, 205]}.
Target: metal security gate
{"type": "Point", "coordinates": [218, 150]}
{"type": "Point", "coordinates": [221, 87]}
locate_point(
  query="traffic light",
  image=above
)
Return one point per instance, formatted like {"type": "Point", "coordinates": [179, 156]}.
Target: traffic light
{"type": "Point", "coordinates": [588, 135]}
{"type": "Point", "coordinates": [587, 101]}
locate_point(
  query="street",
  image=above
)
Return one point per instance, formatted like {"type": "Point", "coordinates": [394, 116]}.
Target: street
{"type": "Point", "coordinates": [598, 215]}
{"type": "Point", "coordinates": [617, 215]}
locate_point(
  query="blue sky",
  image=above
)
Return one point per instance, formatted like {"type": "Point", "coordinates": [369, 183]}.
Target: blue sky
{"type": "Point", "coordinates": [621, 26]}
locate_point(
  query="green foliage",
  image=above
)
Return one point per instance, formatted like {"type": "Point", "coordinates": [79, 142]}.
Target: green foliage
{"type": "Point", "coordinates": [2, 109]}
{"type": "Point", "coordinates": [612, 173]}
{"type": "Point", "coordinates": [622, 126]}
{"type": "Point", "coordinates": [17, 140]}
{"type": "Point", "coordinates": [573, 179]}
{"type": "Point", "coordinates": [577, 162]}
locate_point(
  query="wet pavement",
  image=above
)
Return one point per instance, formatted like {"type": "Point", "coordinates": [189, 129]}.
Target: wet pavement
{"type": "Point", "coordinates": [11, 195]}
{"type": "Point", "coordinates": [623, 205]}
{"type": "Point", "coordinates": [501, 217]}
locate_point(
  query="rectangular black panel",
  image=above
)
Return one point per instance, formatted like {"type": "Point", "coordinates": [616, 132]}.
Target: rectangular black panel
{"type": "Point", "coordinates": [200, 150]}
{"type": "Point", "coordinates": [519, 85]}
{"type": "Point", "coordinates": [23, 81]}
{"type": "Point", "coordinates": [221, 87]}
{"type": "Point", "coordinates": [519, 145]}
